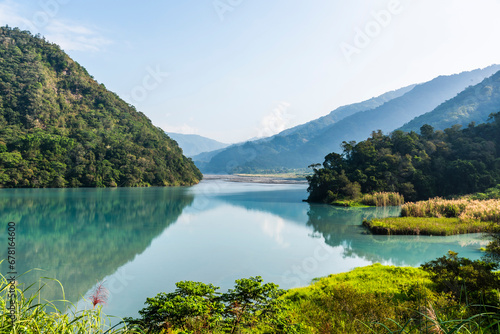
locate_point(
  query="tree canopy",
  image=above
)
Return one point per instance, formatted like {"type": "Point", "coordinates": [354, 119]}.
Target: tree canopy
{"type": "Point", "coordinates": [419, 166]}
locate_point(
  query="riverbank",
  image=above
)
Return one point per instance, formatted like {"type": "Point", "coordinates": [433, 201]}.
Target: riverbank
{"type": "Point", "coordinates": [258, 178]}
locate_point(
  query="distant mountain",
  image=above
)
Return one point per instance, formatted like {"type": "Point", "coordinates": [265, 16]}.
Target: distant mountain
{"type": "Point", "coordinates": [225, 160]}
{"type": "Point", "coordinates": [194, 144]}
{"type": "Point", "coordinates": [309, 143]}
{"type": "Point", "coordinates": [60, 128]}
{"type": "Point", "coordinates": [474, 104]}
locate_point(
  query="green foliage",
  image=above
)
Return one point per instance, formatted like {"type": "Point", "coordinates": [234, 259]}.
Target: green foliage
{"type": "Point", "coordinates": [425, 226]}
{"type": "Point", "coordinates": [435, 163]}
{"type": "Point", "coordinates": [196, 307]}
{"type": "Point", "coordinates": [60, 128]}
{"type": "Point", "coordinates": [471, 281]}
{"type": "Point", "coordinates": [364, 299]}
{"type": "Point", "coordinates": [490, 193]}
{"type": "Point", "coordinates": [193, 308]}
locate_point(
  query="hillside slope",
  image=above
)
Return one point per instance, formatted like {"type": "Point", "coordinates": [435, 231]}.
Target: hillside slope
{"type": "Point", "coordinates": [60, 128]}
{"type": "Point", "coordinates": [475, 104]}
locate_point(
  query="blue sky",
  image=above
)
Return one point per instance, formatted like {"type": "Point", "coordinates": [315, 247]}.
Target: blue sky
{"type": "Point", "coordinates": [236, 69]}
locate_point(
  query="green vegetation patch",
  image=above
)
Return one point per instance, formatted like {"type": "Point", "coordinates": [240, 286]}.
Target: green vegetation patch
{"type": "Point", "coordinates": [348, 203]}
{"type": "Point", "coordinates": [363, 300]}
{"type": "Point", "coordinates": [375, 278]}
{"type": "Point", "coordinates": [425, 226]}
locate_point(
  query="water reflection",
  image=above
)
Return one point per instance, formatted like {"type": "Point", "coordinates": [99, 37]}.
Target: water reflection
{"type": "Point", "coordinates": [217, 232]}
{"type": "Point", "coordinates": [342, 227]}
{"type": "Point", "coordinates": [78, 236]}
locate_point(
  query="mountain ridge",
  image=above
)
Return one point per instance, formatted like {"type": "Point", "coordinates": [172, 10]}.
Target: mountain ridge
{"type": "Point", "coordinates": [472, 105]}
{"type": "Point", "coordinates": [296, 150]}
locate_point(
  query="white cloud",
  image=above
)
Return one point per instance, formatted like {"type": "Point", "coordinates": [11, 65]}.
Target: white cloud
{"type": "Point", "coordinates": [9, 16]}
{"type": "Point", "coordinates": [73, 37]}
{"type": "Point", "coordinates": [184, 129]}
{"type": "Point", "coordinates": [69, 35]}
{"type": "Point", "coordinates": [276, 121]}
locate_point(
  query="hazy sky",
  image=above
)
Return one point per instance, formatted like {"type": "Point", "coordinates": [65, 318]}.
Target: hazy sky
{"type": "Point", "coordinates": [235, 69]}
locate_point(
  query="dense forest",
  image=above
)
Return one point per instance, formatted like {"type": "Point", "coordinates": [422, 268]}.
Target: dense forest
{"type": "Point", "coordinates": [60, 128]}
{"type": "Point", "coordinates": [420, 166]}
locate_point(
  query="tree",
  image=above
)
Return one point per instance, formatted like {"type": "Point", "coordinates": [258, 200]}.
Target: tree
{"type": "Point", "coordinates": [466, 280]}
{"type": "Point", "coordinates": [196, 307]}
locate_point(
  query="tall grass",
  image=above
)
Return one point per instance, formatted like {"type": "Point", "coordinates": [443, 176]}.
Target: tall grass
{"type": "Point", "coordinates": [426, 321]}
{"type": "Point", "coordinates": [463, 209]}
{"type": "Point", "coordinates": [32, 315]}
{"type": "Point", "coordinates": [382, 199]}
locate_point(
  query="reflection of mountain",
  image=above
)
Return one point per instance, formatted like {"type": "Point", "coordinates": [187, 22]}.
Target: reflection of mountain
{"type": "Point", "coordinates": [286, 204]}
{"type": "Point", "coordinates": [342, 227]}
{"type": "Point", "coordinates": [79, 236]}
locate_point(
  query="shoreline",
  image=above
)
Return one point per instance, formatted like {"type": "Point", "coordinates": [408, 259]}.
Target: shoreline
{"type": "Point", "coordinates": [254, 179]}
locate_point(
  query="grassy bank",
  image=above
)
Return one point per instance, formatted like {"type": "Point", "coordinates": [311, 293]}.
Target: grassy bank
{"type": "Point", "coordinates": [375, 199]}
{"type": "Point", "coordinates": [438, 216]}
{"type": "Point", "coordinates": [425, 226]}
{"type": "Point", "coordinates": [363, 300]}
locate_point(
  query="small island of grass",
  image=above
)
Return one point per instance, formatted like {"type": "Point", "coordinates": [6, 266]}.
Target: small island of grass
{"type": "Point", "coordinates": [425, 226]}
{"type": "Point", "coordinates": [440, 217]}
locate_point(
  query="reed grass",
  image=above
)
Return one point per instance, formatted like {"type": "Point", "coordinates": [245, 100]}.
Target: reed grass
{"type": "Point", "coordinates": [33, 315]}
{"type": "Point", "coordinates": [382, 199]}
{"type": "Point", "coordinates": [427, 321]}
{"type": "Point", "coordinates": [463, 209]}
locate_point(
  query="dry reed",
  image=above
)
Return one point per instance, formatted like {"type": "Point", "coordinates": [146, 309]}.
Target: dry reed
{"type": "Point", "coordinates": [464, 209]}
{"type": "Point", "coordinates": [383, 199]}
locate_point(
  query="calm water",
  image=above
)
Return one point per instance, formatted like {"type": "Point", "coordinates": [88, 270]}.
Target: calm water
{"type": "Point", "coordinates": [143, 240]}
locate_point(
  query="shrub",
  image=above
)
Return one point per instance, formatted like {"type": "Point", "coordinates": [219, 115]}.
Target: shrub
{"type": "Point", "coordinates": [467, 280]}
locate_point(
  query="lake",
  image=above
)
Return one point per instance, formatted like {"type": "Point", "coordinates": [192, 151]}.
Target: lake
{"type": "Point", "coordinates": [141, 241]}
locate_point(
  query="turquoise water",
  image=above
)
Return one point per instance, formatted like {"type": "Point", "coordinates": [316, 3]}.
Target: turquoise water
{"type": "Point", "coordinates": [141, 241]}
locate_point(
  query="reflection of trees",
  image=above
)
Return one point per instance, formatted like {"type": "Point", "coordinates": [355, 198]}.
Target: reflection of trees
{"type": "Point", "coordinates": [79, 236]}
{"type": "Point", "coordinates": [342, 227]}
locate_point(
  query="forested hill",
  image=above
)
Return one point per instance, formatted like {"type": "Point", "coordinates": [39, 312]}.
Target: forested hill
{"type": "Point", "coordinates": [419, 166]}
{"type": "Point", "coordinates": [474, 104]}
{"type": "Point", "coordinates": [60, 128]}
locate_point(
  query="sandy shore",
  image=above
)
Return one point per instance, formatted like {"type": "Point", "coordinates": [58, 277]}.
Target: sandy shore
{"type": "Point", "coordinates": [255, 179]}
